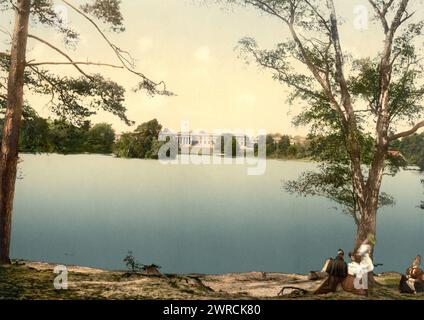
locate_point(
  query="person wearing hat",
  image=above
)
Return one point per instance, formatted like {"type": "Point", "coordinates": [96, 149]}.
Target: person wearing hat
{"type": "Point", "coordinates": [413, 281]}
{"type": "Point", "coordinates": [337, 272]}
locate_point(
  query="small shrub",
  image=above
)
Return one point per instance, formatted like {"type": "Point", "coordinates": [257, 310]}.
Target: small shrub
{"type": "Point", "coordinates": [134, 266]}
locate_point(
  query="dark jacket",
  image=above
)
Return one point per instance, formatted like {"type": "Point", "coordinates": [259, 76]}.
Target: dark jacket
{"type": "Point", "coordinates": [338, 268]}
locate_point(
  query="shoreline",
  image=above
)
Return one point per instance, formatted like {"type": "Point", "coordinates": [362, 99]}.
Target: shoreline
{"type": "Point", "coordinates": [35, 281]}
{"type": "Point", "coordinates": [301, 160]}
{"type": "Point", "coordinates": [150, 159]}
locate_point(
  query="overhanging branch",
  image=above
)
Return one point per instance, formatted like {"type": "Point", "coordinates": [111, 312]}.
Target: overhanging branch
{"type": "Point", "coordinates": [35, 64]}
{"type": "Point", "coordinates": [407, 133]}
{"type": "Point", "coordinates": [267, 8]}
{"type": "Point", "coordinates": [61, 52]}
{"type": "Point", "coordinates": [122, 55]}
{"type": "Point", "coordinates": [382, 13]}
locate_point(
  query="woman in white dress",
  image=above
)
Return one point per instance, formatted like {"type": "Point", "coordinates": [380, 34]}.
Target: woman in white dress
{"type": "Point", "coordinates": [366, 263]}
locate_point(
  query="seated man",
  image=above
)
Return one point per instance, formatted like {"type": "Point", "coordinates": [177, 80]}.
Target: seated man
{"type": "Point", "coordinates": [337, 272]}
{"type": "Point", "coordinates": [413, 282]}
{"type": "Point", "coordinates": [406, 286]}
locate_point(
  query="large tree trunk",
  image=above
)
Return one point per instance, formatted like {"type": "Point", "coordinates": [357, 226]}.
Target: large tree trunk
{"type": "Point", "coordinates": [12, 122]}
{"type": "Point", "coordinates": [367, 226]}
{"type": "Point", "coordinates": [368, 221]}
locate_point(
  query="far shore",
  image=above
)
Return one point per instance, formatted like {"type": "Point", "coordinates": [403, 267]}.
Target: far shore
{"type": "Point", "coordinates": [115, 156]}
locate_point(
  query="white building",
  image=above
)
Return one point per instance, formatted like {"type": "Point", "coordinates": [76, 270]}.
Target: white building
{"type": "Point", "coordinates": [165, 133]}
{"type": "Point", "coordinates": [205, 140]}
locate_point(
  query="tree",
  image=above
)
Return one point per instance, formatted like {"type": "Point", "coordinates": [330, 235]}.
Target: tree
{"type": "Point", "coordinates": [412, 148]}
{"type": "Point", "coordinates": [335, 89]}
{"type": "Point", "coordinates": [229, 145]}
{"type": "Point", "coordinates": [35, 132]}
{"type": "Point", "coordinates": [35, 135]}
{"type": "Point", "coordinates": [143, 143]}
{"type": "Point", "coordinates": [66, 138]}
{"type": "Point", "coordinates": [271, 145]}
{"type": "Point", "coordinates": [284, 145]}
{"type": "Point", "coordinates": [100, 139]}
{"type": "Point", "coordinates": [72, 98]}
{"type": "Point", "coordinates": [146, 134]}
{"type": "Point", "coordinates": [127, 146]}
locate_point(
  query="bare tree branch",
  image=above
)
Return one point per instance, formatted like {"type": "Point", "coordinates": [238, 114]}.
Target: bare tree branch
{"type": "Point", "coordinates": [382, 13]}
{"type": "Point", "coordinates": [35, 64]}
{"type": "Point", "coordinates": [53, 86]}
{"type": "Point", "coordinates": [407, 133]}
{"type": "Point", "coordinates": [316, 73]}
{"type": "Point", "coordinates": [61, 52]}
{"type": "Point", "coordinates": [267, 8]}
{"type": "Point", "coordinates": [284, 77]}
{"type": "Point", "coordinates": [320, 16]}
{"type": "Point", "coordinates": [120, 54]}
{"type": "Point", "coordinates": [397, 21]}
{"type": "Point", "coordinates": [341, 79]}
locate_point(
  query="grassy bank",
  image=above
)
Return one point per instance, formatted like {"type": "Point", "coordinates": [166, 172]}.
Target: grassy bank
{"type": "Point", "coordinates": [31, 280]}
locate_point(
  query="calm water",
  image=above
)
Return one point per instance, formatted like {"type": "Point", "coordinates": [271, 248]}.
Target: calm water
{"type": "Point", "coordinates": [90, 210]}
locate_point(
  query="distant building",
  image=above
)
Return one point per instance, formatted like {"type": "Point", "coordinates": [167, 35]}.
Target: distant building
{"type": "Point", "coordinates": [205, 140]}
{"type": "Point", "coordinates": [165, 133]}
{"type": "Point", "coordinates": [184, 139]}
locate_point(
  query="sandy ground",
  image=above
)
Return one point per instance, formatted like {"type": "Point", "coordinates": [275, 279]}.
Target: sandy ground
{"type": "Point", "coordinates": [34, 280]}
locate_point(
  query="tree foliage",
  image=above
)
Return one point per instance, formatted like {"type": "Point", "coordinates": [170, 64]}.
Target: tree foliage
{"type": "Point", "coordinates": [230, 147]}
{"type": "Point", "coordinates": [100, 139]}
{"type": "Point", "coordinates": [143, 143]}
{"type": "Point", "coordinates": [352, 105]}
{"type": "Point", "coordinates": [76, 98]}
{"type": "Point", "coordinates": [412, 149]}
{"type": "Point", "coordinates": [39, 135]}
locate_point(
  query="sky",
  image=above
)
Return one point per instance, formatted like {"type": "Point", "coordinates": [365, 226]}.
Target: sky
{"type": "Point", "coordinates": [191, 45]}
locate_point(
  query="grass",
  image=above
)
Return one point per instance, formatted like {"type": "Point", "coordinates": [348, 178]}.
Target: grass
{"type": "Point", "coordinates": [21, 281]}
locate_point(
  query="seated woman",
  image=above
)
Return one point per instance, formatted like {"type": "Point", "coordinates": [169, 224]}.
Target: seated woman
{"type": "Point", "coordinates": [354, 268]}
{"type": "Point", "coordinates": [413, 282]}
{"type": "Point", "coordinates": [364, 252]}
{"type": "Point", "coordinates": [415, 271]}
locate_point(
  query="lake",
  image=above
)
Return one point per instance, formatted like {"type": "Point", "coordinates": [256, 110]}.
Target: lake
{"type": "Point", "coordinates": [90, 210]}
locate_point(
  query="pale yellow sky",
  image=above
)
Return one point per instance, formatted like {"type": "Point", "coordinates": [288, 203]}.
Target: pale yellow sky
{"type": "Point", "coordinates": [191, 47]}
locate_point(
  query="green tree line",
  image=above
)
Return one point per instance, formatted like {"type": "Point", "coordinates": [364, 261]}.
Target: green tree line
{"type": "Point", "coordinates": [280, 146]}
{"type": "Point", "coordinates": [412, 149]}
{"type": "Point", "coordinates": [142, 143]}
{"type": "Point", "coordinates": [39, 135]}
